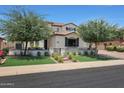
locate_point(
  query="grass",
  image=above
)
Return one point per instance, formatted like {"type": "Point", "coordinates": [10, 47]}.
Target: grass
{"type": "Point", "coordinates": [20, 61]}
{"type": "Point", "coordinates": [87, 58]}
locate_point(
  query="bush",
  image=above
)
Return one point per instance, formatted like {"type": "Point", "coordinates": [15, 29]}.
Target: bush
{"type": "Point", "coordinates": [56, 57]}
{"type": "Point", "coordinates": [70, 56]}
{"type": "Point", "coordinates": [46, 53]}
{"type": "Point", "coordinates": [86, 53]}
{"type": "Point", "coordinates": [6, 51]}
{"type": "Point", "coordinates": [92, 53]}
{"type": "Point", "coordinates": [74, 53]}
{"type": "Point", "coordinates": [74, 60]}
{"type": "Point", "coordinates": [120, 49]}
{"type": "Point", "coordinates": [79, 53]}
{"type": "Point", "coordinates": [68, 53]}
{"type": "Point", "coordinates": [111, 48]}
{"type": "Point", "coordinates": [60, 59]}
{"type": "Point", "coordinates": [38, 54]}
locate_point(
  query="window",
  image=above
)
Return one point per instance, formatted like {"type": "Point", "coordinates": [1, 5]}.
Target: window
{"type": "Point", "coordinates": [66, 28]}
{"type": "Point", "coordinates": [18, 46]}
{"type": "Point", "coordinates": [70, 29]}
{"type": "Point", "coordinates": [57, 29]}
{"type": "Point", "coordinates": [71, 42]}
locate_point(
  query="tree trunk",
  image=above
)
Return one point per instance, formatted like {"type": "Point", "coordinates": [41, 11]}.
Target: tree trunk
{"type": "Point", "coordinates": [21, 52]}
{"type": "Point", "coordinates": [25, 50]}
{"type": "Point", "coordinates": [90, 46]}
{"type": "Point", "coordinates": [96, 45]}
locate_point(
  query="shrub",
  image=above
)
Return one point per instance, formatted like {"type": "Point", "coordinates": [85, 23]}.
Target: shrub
{"type": "Point", "coordinates": [56, 57]}
{"type": "Point", "coordinates": [2, 54]}
{"type": "Point", "coordinates": [74, 60]}
{"type": "Point", "coordinates": [86, 53]}
{"type": "Point", "coordinates": [60, 59]}
{"type": "Point", "coordinates": [6, 51]}
{"type": "Point", "coordinates": [74, 53]}
{"type": "Point", "coordinates": [92, 53]}
{"type": "Point", "coordinates": [52, 55]}
{"type": "Point", "coordinates": [79, 53]}
{"type": "Point", "coordinates": [38, 54]}
{"type": "Point", "coordinates": [46, 53]}
{"type": "Point", "coordinates": [111, 48]}
{"type": "Point", "coordinates": [55, 54]}
{"type": "Point", "coordinates": [120, 49]}
{"type": "Point", "coordinates": [68, 53]}
{"type": "Point", "coordinates": [70, 56]}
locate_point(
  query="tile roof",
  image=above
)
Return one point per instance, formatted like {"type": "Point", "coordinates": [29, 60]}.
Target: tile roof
{"type": "Point", "coordinates": [56, 24]}
{"type": "Point", "coordinates": [63, 33]}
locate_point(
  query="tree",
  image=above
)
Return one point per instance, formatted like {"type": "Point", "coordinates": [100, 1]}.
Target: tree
{"type": "Point", "coordinates": [24, 26]}
{"type": "Point", "coordinates": [120, 34]}
{"type": "Point", "coordinates": [96, 31]}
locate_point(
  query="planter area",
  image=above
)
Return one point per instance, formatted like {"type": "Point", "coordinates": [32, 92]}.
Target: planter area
{"type": "Point", "coordinates": [33, 53]}
{"type": "Point", "coordinates": [42, 57]}
{"type": "Point", "coordinates": [87, 55]}
{"type": "Point", "coordinates": [115, 48]}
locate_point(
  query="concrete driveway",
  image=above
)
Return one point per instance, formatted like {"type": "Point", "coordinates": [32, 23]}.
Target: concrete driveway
{"type": "Point", "coordinates": [114, 54]}
{"type": "Point", "coordinates": [100, 77]}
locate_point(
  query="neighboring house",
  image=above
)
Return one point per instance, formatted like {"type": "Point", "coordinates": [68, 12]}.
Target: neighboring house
{"type": "Point", "coordinates": [64, 39]}
{"type": "Point", "coordinates": [3, 43]}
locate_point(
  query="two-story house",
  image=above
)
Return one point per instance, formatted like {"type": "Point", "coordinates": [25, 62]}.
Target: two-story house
{"type": "Point", "coordinates": [64, 39]}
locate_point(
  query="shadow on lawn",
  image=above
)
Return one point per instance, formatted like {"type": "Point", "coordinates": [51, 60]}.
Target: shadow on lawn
{"type": "Point", "coordinates": [105, 57]}
{"type": "Point", "coordinates": [29, 57]}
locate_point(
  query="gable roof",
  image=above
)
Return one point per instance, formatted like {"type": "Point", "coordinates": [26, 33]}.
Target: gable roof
{"type": "Point", "coordinates": [70, 23]}
{"type": "Point", "coordinates": [56, 24]}
{"type": "Point", "coordinates": [60, 24]}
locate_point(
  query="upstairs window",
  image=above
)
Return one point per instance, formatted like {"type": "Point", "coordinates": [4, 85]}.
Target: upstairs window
{"type": "Point", "coordinates": [70, 29]}
{"type": "Point", "coordinates": [57, 29]}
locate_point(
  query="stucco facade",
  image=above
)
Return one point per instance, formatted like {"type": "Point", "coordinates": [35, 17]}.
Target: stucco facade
{"type": "Point", "coordinates": [64, 39]}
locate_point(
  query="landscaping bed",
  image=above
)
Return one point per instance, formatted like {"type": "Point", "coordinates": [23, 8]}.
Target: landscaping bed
{"type": "Point", "coordinates": [115, 48]}
{"type": "Point", "coordinates": [81, 58]}
{"type": "Point", "coordinates": [74, 57]}
{"type": "Point", "coordinates": [20, 61]}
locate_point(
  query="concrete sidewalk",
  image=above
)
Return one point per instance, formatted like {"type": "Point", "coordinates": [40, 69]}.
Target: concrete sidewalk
{"type": "Point", "coordinates": [18, 70]}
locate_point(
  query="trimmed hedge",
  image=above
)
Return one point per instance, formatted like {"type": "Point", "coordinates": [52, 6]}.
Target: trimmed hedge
{"type": "Point", "coordinates": [120, 49]}
{"type": "Point", "coordinates": [115, 48]}
{"type": "Point", "coordinates": [111, 48]}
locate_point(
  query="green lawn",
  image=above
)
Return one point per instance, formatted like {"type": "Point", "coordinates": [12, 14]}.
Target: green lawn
{"type": "Point", "coordinates": [19, 61]}
{"type": "Point", "coordinates": [86, 58]}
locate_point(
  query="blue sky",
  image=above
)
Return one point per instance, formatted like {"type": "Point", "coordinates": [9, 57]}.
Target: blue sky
{"type": "Point", "coordinates": [77, 14]}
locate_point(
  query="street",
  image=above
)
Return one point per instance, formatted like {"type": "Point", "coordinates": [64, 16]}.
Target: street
{"type": "Point", "coordinates": [100, 77]}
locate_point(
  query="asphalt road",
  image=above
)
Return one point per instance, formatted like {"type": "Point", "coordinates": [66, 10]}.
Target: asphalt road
{"type": "Point", "coordinates": [105, 77]}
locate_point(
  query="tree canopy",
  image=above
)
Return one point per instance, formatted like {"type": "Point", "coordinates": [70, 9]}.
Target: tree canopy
{"type": "Point", "coordinates": [24, 25]}
{"type": "Point", "coordinates": [97, 31]}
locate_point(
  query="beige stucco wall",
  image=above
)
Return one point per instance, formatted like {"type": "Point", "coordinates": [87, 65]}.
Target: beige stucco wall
{"type": "Point", "coordinates": [59, 41]}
